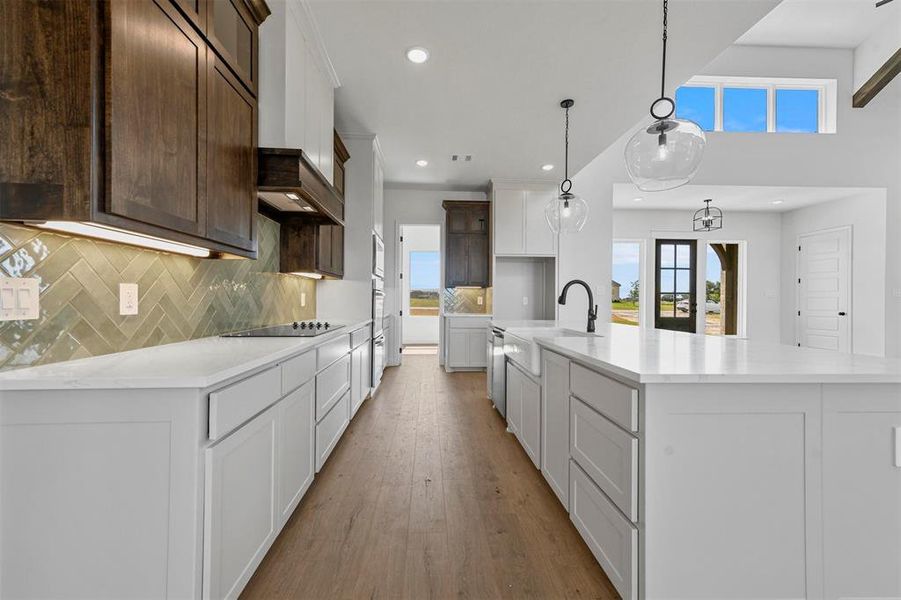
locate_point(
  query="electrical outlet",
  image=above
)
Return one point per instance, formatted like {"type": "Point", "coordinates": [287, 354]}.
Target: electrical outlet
{"type": "Point", "coordinates": [897, 292]}
{"type": "Point", "coordinates": [525, 300]}
{"type": "Point", "coordinates": [128, 299]}
{"type": "Point", "coordinates": [303, 299]}
{"type": "Point", "coordinates": [20, 299]}
{"type": "Point", "coordinates": [480, 300]}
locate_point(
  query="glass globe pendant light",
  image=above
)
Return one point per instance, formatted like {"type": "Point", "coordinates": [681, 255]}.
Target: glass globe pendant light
{"type": "Point", "coordinates": [566, 212]}
{"type": "Point", "coordinates": [666, 153]}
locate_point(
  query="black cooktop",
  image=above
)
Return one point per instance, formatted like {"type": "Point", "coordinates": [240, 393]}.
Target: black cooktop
{"type": "Point", "coordinates": [295, 329]}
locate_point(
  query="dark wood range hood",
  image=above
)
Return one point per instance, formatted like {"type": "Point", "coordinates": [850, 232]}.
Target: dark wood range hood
{"type": "Point", "coordinates": [291, 186]}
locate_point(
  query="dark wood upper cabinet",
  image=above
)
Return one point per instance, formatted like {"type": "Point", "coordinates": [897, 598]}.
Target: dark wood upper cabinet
{"type": "Point", "coordinates": [156, 116]}
{"type": "Point", "coordinates": [125, 114]}
{"type": "Point", "coordinates": [309, 245]}
{"type": "Point", "coordinates": [232, 32]}
{"type": "Point", "coordinates": [341, 157]}
{"type": "Point", "coordinates": [231, 159]}
{"type": "Point", "coordinates": [467, 244]}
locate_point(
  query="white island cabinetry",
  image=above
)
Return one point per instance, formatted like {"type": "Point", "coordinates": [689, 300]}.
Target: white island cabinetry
{"type": "Point", "coordinates": [211, 443]}
{"type": "Point", "coordinates": [747, 472]}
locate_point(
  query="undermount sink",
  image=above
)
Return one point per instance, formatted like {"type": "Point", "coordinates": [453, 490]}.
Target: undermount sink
{"type": "Point", "coordinates": [521, 348]}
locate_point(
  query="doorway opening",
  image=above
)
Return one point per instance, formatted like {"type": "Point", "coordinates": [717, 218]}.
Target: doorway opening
{"type": "Point", "coordinates": [721, 306]}
{"type": "Point", "coordinates": [420, 288]}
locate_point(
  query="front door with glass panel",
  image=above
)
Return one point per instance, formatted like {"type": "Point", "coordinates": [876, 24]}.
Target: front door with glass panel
{"type": "Point", "coordinates": [676, 304]}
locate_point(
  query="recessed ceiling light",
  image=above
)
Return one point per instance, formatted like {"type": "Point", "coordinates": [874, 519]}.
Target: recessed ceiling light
{"type": "Point", "coordinates": [417, 54]}
{"type": "Point", "coordinates": [778, 201]}
{"type": "Point", "coordinates": [547, 167]}
{"type": "Point", "coordinates": [422, 163]}
{"type": "Point", "coordinates": [637, 199]}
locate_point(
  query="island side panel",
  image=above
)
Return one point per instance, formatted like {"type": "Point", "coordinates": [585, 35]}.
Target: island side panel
{"type": "Point", "coordinates": [731, 491]}
{"type": "Point", "coordinates": [862, 490]}
{"type": "Point", "coordinates": [101, 493]}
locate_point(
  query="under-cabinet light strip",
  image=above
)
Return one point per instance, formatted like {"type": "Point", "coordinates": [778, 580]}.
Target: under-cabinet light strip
{"type": "Point", "coordinates": [111, 234]}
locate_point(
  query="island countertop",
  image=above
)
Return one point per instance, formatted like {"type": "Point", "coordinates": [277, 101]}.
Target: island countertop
{"type": "Point", "coordinates": [644, 355]}
{"type": "Point", "coordinates": [200, 363]}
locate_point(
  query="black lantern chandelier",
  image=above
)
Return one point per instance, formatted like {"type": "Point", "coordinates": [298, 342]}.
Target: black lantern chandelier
{"type": "Point", "coordinates": [709, 218]}
{"type": "Point", "coordinates": [666, 153]}
{"type": "Point", "coordinates": [566, 212]}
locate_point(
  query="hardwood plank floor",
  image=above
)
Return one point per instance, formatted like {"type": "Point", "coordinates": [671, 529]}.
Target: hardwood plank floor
{"type": "Point", "coordinates": [428, 496]}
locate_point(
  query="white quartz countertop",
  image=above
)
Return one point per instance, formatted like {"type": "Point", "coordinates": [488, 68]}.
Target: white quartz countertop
{"type": "Point", "coordinates": [467, 315]}
{"type": "Point", "coordinates": [659, 356]}
{"type": "Point", "coordinates": [506, 324]}
{"type": "Point", "coordinates": [200, 363]}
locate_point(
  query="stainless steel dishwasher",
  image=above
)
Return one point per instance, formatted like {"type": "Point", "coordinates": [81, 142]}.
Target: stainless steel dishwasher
{"type": "Point", "coordinates": [498, 370]}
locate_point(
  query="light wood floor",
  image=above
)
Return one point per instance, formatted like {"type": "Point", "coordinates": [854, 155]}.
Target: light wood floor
{"type": "Point", "coordinates": [427, 496]}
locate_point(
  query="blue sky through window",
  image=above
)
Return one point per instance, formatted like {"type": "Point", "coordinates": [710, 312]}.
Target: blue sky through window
{"type": "Point", "coordinates": [626, 264]}
{"type": "Point", "coordinates": [744, 109]}
{"type": "Point", "coordinates": [696, 104]}
{"type": "Point", "coordinates": [425, 270]}
{"type": "Point", "coordinates": [797, 111]}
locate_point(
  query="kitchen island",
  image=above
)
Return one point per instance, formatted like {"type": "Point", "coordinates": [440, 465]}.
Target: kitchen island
{"type": "Point", "coordinates": [709, 467]}
{"type": "Point", "coordinates": [167, 472]}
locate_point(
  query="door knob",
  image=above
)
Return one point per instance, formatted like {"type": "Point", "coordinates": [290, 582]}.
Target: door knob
{"type": "Point", "coordinates": [841, 314]}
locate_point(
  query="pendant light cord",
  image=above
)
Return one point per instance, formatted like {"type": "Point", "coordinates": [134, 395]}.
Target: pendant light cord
{"type": "Point", "coordinates": [566, 148]}
{"type": "Point", "coordinates": [663, 65]}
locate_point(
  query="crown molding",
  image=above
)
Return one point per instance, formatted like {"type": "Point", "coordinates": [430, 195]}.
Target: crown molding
{"type": "Point", "coordinates": [313, 36]}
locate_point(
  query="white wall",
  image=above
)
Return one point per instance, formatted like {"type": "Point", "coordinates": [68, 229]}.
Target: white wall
{"type": "Point", "coordinates": [418, 238]}
{"type": "Point", "coordinates": [864, 152]}
{"type": "Point", "coordinates": [874, 51]}
{"type": "Point", "coordinates": [413, 206]}
{"type": "Point", "coordinates": [760, 231]}
{"type": "Point", "coordinates": [518, 278]}
{"type": "Point", "coordinates": [866, 216]}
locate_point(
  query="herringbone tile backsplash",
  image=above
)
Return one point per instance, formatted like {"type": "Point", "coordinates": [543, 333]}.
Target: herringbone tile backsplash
{"type": "Point", "coordinates": [181, 298]}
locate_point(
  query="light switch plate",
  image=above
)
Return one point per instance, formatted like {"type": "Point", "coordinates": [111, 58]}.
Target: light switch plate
{"type": "Point", "coordinates": [128, 299]}
{"type": "Point", "coordinates": [303, 299]}
{"type": "Point", "coordinates": [480, 300]}
{"type": "Point", "coordinates": [525, 300]}
{"type": "Point", "coordinates": [20, 298]}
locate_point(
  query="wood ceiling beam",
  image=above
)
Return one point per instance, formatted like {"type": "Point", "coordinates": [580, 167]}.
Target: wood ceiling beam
{"type": "Point", "coordinates": [879, 80]}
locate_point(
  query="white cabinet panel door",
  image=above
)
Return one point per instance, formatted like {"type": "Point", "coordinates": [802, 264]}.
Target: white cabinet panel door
{"type": "Point", "coordinates": [540, 239]}
{"type": "Point", "coordinates": [530, 431]}
{"type": "Point", "coordinates": [313, 117]}
{"type": "Point", "coordinates": [239, 506]}
{"type": "Point", "coordinates": [358, 370]}
{"type": "Point", "coordinates": [555, 424]}
{"type": "Point", "coordinates": [296, 466]}
{"type": "Point", "coordinates": [327, 132]}
{"type": "Point", "coordinates": [862, 491]}
{"type": "Point", "coordinates": [378, 205]}
{"type": "Point", "coordinates": [475, 340]}
{"type": "Point", "coordinates": [457, 348]}
{"type": "Point", "coordinates": [509, 222]}
{"type": "Point", "coordinates": [514, 399]}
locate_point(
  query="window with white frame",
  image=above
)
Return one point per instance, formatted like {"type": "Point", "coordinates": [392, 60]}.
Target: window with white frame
{"type": "Point", "coordinates": [758, 104]}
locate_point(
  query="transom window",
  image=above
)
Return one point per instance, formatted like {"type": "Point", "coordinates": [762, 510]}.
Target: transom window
{"type": "Point", "coordinates": [754, 104]}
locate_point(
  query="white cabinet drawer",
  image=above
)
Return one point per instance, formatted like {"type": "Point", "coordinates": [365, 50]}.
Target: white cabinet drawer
{"type": "Point", "coordinates": [611, 398]}
{"type": "Point", "coordinates": [331, 385]}
{"type": "Point", "coordinates": [607, 453]}
{"type": "Point", "coordinates": [360, 336]}
{"type": "Point", "coordinates": [331, 351]}
{"type": "Point", "coordinates": [610, 536]}
{"type": "Point", "coordinates": [231, 406]}
{"type": "Point", "coordinates": [330, 429]}
{"type": "Point", "coordinates": [297, 371]}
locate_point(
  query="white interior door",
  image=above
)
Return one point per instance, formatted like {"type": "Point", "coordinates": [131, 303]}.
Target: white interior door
{"type": "Point", "coordinates": [824, 290]}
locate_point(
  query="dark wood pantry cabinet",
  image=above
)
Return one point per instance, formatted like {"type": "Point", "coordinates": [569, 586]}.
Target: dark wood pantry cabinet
{"type": "Point", "coordinates": [135, 114]}
{"type": "Point", "coordinates": [467, 244]}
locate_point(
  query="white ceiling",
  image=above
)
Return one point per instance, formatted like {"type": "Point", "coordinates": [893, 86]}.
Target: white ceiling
{"type": "Point", "coordinates": [498, 71]}
{"type": "Point", "coordinates": [730, 197]}
{"type": "Point", "coordinates": [820, 23]}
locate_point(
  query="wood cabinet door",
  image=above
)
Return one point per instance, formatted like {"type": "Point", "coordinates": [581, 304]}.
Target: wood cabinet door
{"type": "Point", "coordinates": [456, 220]}
{"type": "Point", "coordinates": [455, 265]}
{"type": "Point", "coordinates": [232, 32]}
{"type": "Point", "coordinates": [296, 447]}
{"type": "Point", "coordinates": [231, 160]}
{"type": "Point", "coordinates": [555, 424]}
{"type": "Point", "coordinates": [196, 11]}
{"type": "Point", "coordinates": [240, 515]}
{"type": "Point", "coordinates": [478, 261]}
{"type": "Point", "coordinates": [156, 116]}
{"type": "Point", "coordinates": [477, 218]}
{"type": "Point", "coordinates": [338, 250]}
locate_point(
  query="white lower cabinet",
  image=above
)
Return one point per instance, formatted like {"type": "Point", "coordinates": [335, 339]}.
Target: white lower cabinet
{"type": "Point", "coordinates": [555, 424]}
{"type": "Point", "coordinates": [524, 411]}
{"type": "Point", "coordinates": [465, 340]}
{"type": "Point", "coordinates": [240, 520]}
{"type": "Point", "coordinates": [610, 536]}
{"type": "Point", "coordinates": [296, 445]}
{"type": "Point", "coordinates": [330, 429]}
{"type": "Point", "coordinates": [359, 377]}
